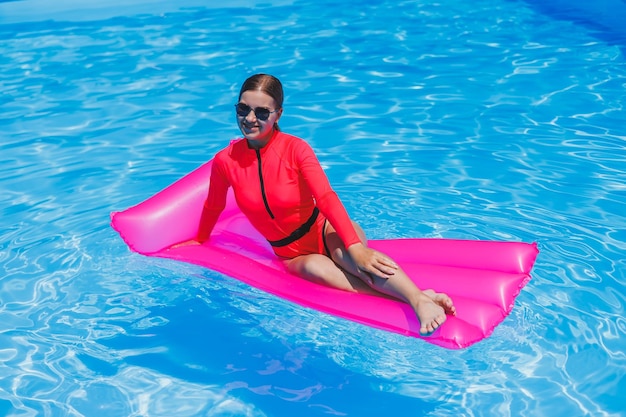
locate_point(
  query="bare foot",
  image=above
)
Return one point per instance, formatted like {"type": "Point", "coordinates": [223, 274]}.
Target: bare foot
{"type": "Point", "coordinates": [430, 314]}
{"type": "Point", "coordinates": [443, 300]}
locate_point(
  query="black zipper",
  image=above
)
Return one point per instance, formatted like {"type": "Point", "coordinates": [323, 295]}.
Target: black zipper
{"type": "Point", "coordinates": [267, 206]}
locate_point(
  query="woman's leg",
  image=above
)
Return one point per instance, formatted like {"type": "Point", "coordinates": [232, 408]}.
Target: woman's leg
{"type": "Point", "coordinates": [430, 307]}
{"type": "Point", "coordinates": [320, 269]}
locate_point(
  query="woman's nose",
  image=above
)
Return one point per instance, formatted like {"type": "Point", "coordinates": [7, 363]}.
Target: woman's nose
{"type": "Point", "coordinates": [251, 116]}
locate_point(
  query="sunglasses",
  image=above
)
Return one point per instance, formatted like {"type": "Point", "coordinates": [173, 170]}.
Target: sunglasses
{"type": "Point", "coordinates": [261, 113]}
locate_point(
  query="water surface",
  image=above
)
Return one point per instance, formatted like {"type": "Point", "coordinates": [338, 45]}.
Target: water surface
{"type": "Point", "coordinates": [491, 120]}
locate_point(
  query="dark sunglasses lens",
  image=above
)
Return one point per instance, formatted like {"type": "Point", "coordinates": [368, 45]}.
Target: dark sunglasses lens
{"type": "Point", "coordinates": [242, 110]}
{"type": "Point", "coordinates": [261, 113]}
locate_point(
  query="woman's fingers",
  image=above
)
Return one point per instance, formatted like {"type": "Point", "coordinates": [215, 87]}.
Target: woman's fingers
{"type": "Point", "coordinates": [378, 264]}
{"type": "Point", "coordinates": [389, 263]}
{"type": "Point", "coordinates": [385, 264]}
{"type": "Point", "coordinates": [186, 243]}
{"type": "Point", "coordinates": [381, 270]}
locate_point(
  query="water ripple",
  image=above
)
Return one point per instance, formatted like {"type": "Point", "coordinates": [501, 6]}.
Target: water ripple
{"type": "Point", "coordinates": [481, 122]}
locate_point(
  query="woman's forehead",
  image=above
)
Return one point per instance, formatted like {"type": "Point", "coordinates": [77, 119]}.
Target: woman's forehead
{"type": "Point", "coordinates": [257, 98]}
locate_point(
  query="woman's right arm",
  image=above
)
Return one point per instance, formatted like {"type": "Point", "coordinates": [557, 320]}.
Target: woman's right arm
{"type": "Point", "coordinates": [214, 203]}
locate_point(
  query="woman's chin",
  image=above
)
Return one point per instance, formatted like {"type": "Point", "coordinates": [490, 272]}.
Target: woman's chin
{"type": "Point", "coordinates": [250, 132]}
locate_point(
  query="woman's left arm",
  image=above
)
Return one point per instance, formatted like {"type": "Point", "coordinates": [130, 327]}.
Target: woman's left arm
{"type": "Point", "coordinates": [367, 259]}
{"type": "Point", "coordinates": [325, 197]}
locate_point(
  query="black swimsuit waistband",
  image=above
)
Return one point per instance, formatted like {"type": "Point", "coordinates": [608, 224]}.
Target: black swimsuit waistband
{"type": "Point", "coordinates": [298, 233]}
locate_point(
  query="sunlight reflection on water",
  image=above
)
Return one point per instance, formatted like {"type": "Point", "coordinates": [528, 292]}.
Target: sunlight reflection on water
{"type": "Point", "coordinates": [482, 121]}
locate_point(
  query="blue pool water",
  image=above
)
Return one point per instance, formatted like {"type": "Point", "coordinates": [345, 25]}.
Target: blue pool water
{"type": "Point", "coordinates": [491, 119]}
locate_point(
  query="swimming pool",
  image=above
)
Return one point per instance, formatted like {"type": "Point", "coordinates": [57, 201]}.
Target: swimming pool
{"type": "Point", "coordinates": [495, 120]}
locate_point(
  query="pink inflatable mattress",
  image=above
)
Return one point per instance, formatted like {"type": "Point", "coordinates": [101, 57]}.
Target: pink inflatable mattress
{"type": "Point", "coordinates": [482, 277]}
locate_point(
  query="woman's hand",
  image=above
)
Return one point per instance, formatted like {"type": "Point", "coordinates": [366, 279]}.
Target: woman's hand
{"type": "Point", "coordinates": [191, 242]}
{"type": "Point", "coordinates": [371, 261]}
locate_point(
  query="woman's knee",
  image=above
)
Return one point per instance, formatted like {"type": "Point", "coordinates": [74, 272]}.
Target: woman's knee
{"type": "Point", "coordinates": [323, 270]}
{"type": "Point", "coordinates": [309, 266]}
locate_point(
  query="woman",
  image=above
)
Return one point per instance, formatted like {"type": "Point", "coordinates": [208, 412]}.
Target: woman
{"type": "Point", "coordinates": [281, 188]}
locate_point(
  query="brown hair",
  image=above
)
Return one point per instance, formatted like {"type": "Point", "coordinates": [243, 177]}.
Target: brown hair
{"type": "Point", "coordinates": [266, 83]}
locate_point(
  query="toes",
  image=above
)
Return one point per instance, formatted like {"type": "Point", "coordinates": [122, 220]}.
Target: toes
{"type": "Point", "coordinates": [443, 300]}
{"type": "Point", "coordinates": [427, 329]}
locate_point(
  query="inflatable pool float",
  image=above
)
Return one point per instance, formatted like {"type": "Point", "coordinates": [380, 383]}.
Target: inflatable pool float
{"type": "Point", "coordinates": [482, 277]}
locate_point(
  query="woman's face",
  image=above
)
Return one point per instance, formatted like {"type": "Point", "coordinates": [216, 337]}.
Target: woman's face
{"type": "Point", "coordinates": [257, 131]}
